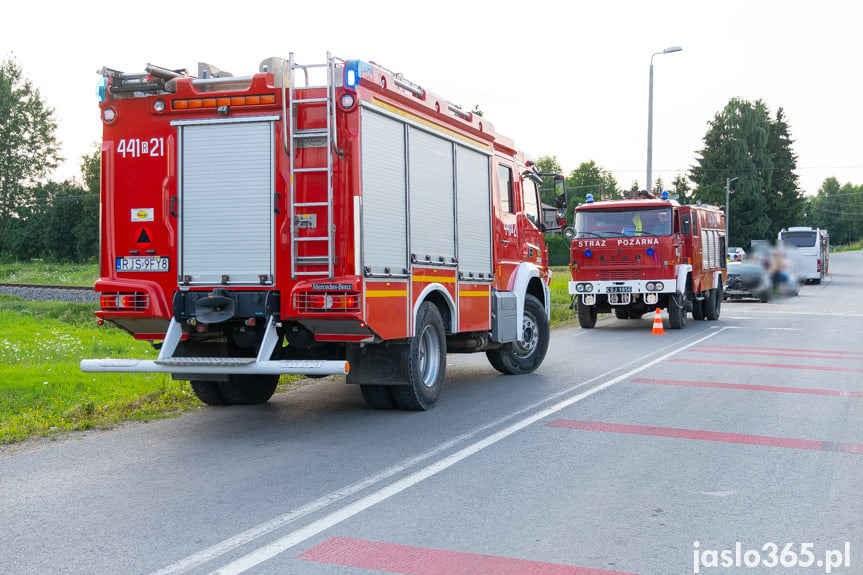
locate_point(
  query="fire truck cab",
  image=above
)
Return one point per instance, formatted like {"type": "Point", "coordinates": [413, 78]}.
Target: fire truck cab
{"type": "Point", "coordinates": [316, 219]}
{"type": "Point", "coordinates": [640, 253]}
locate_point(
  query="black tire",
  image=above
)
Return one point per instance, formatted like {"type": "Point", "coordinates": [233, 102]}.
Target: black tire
{"type": "Point", "coordinates": [676, 311]}
{"type": "Point", "coordinates": [698, 309]}
{"type": "Point", "coordinates": [378, 396]}
{"type": "Point", "coordinates": [426, 363]}
{"type": "Point", "coordinates": [208, 392]}
{"type": "Point", "coordinates": [586, 315]}
{"type": "Point", "coordinates": [248, 389]}
{"type": "Point", "coordinates": [517, 357]}
{"type": "Point", "coordinates": [713, 309]}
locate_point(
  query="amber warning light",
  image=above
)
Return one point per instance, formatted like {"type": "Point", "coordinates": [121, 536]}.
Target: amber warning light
{"type": "Point", "coordinates": [202, 103]}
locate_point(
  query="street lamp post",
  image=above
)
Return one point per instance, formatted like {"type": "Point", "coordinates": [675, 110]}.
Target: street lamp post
{"type": "Point", "coordinates": [650, 117]}
{"type": "Point", "coordinates": [728, 211]}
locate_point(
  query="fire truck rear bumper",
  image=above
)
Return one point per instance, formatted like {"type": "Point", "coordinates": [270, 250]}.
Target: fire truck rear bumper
{"type": "Point", "coordinates": [215, 366]}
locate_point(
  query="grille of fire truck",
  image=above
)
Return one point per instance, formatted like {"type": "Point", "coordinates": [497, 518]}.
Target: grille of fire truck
{"type": "Point", "coordinates": [305, 213]}
{"type": "Point", "coordinates": [612, 275]}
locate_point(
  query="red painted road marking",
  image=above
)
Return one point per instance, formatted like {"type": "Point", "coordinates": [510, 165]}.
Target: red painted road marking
{"type": "Point", "coordinates": [424, 561]}
{"type": "Point", "coordinates": [773, 365]}
{"type": "Point", "coordinates": [790, 443]}
{"type": "Point", "coordinates": [809, 391]}
{"type": "Point", "coordinates": [777, 353]}
{"type": "Point", "coordinates": [746, 347]}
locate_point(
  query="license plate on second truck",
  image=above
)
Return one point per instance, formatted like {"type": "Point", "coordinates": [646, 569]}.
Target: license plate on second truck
{"type": "Point", "coordinates": [144, 264]}
{"type": "Point", "coordinates": [618, 289]}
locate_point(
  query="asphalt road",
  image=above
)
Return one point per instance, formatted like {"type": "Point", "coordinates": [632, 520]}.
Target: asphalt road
{"type": "Point", "coordinates": [732, 446]}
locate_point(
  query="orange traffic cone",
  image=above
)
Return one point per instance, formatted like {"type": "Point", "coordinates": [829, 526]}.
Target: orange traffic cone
{"type": "Point", "coordinates": [657, 323]}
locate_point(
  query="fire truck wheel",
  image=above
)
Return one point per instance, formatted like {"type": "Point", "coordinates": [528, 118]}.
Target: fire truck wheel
{"type": "Point", "coordinates": [676, 311]}
{"type": "Point", "coordinates": [526, 356]}
{"type": "Point", "coordinates": [713, 304]}
{"type": "Point", "coordinates": [698, 309]}
{"type": "Point", "coordinates": [378, 396]}
{"type": "Point", "coordinates": [586, 315]}
{"type": "Point", "coordinates": [208, 392]}
{"type": "Point", "coordinates": [248, 389]}
{"type": "Point", "coordinates": [426, 362]}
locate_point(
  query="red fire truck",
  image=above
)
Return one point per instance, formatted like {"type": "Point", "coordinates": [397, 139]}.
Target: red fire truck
{"type": "Point", "coordinates": [641, 253]}
{"type": "Point", "coordinates": [314, 219]}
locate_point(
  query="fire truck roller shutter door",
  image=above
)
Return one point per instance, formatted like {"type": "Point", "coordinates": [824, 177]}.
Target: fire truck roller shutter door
{"type": "Point", "coordinates": [226, 193]}
{"type": "Point", "coordinates": [384, 180]}
{"type": "Point", "coordinates": [432, 201]}
{"type": "Point", "coordinates": [473, 208]}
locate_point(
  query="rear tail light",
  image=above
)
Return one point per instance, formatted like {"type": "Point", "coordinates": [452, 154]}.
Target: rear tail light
{"type": "Point", "coordinates": [327, 301]}
{"type": "Point", "coordinates": [113, 301]}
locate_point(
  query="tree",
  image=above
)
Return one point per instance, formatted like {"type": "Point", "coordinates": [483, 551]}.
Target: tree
{"type": "Point", "coordinates": [680, 186]}
{"type": "Point", "coordinates": [785, 202]}
{"type": "Point", "coordinates": [736, 146]}
{"type": "Point", "coordinates": [839, 210]}
{"type": "Point", "coordinates": [87, 229]}
{"type": "Point", "coordinates": [28, 149]}
{"type": "Point", "coordinates": [588, 178]}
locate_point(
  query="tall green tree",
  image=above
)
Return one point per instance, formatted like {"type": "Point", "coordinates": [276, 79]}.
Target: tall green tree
{"type": "Point", "coordinates": [28, 148]}
{"type": "Point", "coordinates": [589, 178]}
{"type": "Point", "coordinates": [736, 146]}
{"type": "Point", "coordinates": [785, 202]}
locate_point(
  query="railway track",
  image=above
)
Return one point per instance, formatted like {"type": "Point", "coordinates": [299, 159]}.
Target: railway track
{"type": "Point", "coordinates": [49, 292]}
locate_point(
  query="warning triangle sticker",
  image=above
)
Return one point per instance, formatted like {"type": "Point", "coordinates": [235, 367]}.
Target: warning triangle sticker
{"type": "Point", "coordinates": [143, 237]}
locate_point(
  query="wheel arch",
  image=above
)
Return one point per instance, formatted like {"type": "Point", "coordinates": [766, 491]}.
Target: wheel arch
{"type": "Point", "coordinates": [442, 300]}
{"type": "Point", "coordinates": [528, 280]}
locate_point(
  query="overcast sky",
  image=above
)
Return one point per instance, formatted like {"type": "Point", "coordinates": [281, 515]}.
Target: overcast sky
{"type": "Point", "coordinates": [560, 77]}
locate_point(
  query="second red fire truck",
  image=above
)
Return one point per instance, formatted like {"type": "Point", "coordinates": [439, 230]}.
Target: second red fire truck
{"type": "Point", "coordinates": [279, 223]}
{"type": "Point", "coordinates": [635, 255]}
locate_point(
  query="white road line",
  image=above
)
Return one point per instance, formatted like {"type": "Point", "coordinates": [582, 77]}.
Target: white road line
{"type": "Point", "coordinates": [283, 544]}
{"type": "Point", "coordinates": [228, 545]}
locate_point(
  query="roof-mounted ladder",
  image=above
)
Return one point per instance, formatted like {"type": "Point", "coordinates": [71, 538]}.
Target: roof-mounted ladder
{"type": "Point", "coordinates": [311, 200]}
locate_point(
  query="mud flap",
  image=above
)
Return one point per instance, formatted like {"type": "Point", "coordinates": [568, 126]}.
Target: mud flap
{"type": "Point", "coordinates": [378, 364]}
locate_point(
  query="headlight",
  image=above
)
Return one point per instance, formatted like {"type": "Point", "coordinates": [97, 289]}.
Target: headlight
{"type": "Point", "coordinates": [649, 286]}
{"type": "Point", "coordinates": [659, 286]}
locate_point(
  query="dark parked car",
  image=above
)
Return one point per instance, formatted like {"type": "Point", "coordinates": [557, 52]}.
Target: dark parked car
{"type": "Point", "coordinates": [748, 280]}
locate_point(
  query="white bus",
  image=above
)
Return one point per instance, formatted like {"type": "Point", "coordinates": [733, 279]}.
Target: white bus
{"type": "Point", "coordinates": [813, 246]}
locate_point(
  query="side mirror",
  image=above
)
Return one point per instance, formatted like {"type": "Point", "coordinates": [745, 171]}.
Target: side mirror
{"type": "Point", "coordinates": [686, 224]}
{"type": "Point", "coordinates": [533, 176]}
{"type": "Point", "coordinates": [569, 233]}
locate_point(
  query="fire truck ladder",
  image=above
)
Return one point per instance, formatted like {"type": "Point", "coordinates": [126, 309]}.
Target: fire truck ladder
{"type": "Point", "coordinates": [303, 211]}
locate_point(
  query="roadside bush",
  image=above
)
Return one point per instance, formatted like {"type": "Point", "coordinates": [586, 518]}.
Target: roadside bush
{"type": "Point", "coordinates": [558, 250]}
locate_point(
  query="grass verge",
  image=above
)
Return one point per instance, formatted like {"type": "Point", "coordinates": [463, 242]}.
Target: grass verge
{"type": "Point", "coordinates": [42, 390]}
{"type": "Point", "coordinates": [41, 272]}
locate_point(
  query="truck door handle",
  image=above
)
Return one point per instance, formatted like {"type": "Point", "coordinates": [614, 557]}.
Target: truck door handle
{"type": "Point", "coordinates": [174, 206]}
{"type": "Point", "coordinates": [505, 242]}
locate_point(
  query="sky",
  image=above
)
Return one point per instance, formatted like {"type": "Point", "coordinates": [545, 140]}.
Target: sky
{"type": "Point", "coordinates": [563, 78]}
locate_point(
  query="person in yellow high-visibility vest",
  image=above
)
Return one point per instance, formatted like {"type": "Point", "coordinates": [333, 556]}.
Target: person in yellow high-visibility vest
{"type": "Point", "coordinates": [636, 221]}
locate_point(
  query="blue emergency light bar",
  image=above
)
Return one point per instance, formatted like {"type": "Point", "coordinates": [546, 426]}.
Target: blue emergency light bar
{"type": "Point", "coordinates": [354, 70]}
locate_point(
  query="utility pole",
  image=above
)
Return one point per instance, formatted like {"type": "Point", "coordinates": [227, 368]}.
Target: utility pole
{"type": "Point", "coordinates": [728, 211]}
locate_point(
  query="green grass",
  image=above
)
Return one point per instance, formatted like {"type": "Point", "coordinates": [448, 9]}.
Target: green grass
{"type": "Point", "coordinates": [848, 247]}
{"type": "Point", "coordinates": [40, 272]}
{"type": "Point", "coordinates": [561, 314]}
{"type": "Point", "coordinates": [44, 393]}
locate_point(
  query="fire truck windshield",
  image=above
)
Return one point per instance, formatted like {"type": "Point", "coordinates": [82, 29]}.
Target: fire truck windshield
{"type": "Point", "coordinates": [618, 223]}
